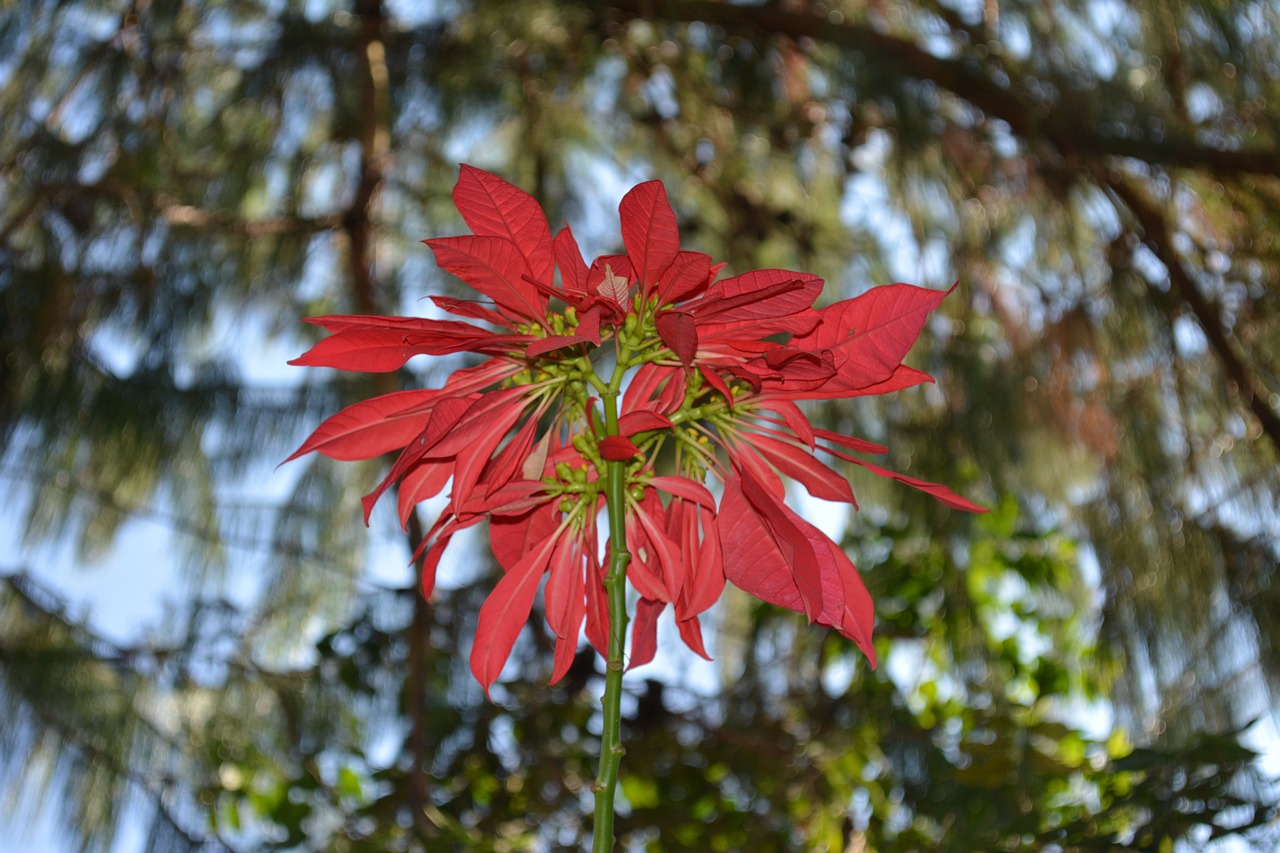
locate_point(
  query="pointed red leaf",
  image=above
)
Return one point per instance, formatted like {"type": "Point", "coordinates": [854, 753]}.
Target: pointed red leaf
{"type": "Point", "coordinates": [511, 537]}
{"type": "Point", "coordinates": [691, 632]}
{"type": "Point", "coordinates": [634, 422]}
{"type": "Point", "coordinates": [649, 231]}
{"type": "Point", "coordinates": [371, 427]}
{"type": "Point", "coordinates": [938, 492]}
{"type": "Point", "coordinates": [563, 597]}
{"type": "Point", "coordinates": [683, 487]}
{"type": "Point", "coordinates": [421, 483]}
{"type": "Point", "coordinates": [871, 334]}
{"type": "Point", "coordinates": [573, 269]}
{"type": "Point", "coordinates": [644, 632]}
{"type": "Point", "coordinates": [644, 385]}
{"type": "Point", "coordinates": [688, 276]}
{"type": "Point", "coordinates": [651, 517]}
{"type": "Point", "coordinates": [679, 332]}
{"type": "Point", "coordinates": [494, 267]}
{"type": "Point", "coordinates": [618, 448]}
{"type": "Point", "coordinates": [764, 301]}
{"type": "Point", "coordinates": [819, 480]}
{"type": "Point", "coordinates": [859, 444]}
{"type": "Point", "coordinates": [597, 627]}
{"type": "Point", "coordinates": [795, 419]}
{"type": "Point", "coordinates": [787, 530]}
{"type": "Point", "coordinates": [469, 308]}
{"type": "Point", "coordinates": [444, 416]}
{"type": "Point", "coordinates": [504, 613]}
{"type": "Point", "coordinates": [494, 208]}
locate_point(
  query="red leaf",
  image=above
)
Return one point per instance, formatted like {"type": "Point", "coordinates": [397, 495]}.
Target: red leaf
{"type": "Point", "coordinates": [494, 208]}
{"type": "Point", "coordinates": [644, 632]}
{"type": "Point", "coordinates": [495, 267]}
{"type": "Point", "coordinates": [791, 542]}
{"type": "Point", "coordinates": [666, 551]}
{"type": "Point", "coordinates": [494, 405]}
{"type": "Point", "coordinates": [819, 480]}
{"type": "Point", "coordinates": [938, 492]}
{"type": "Point", "coordinates": [859, 444]}
{"type": "Point", "coordinates": [484, 432]}
{"type": "Point", "coordinates": [680, 333]}
{"type": "Point", "coordinates": [364, 350]}
{"type": "Point", "coordinates": [444, 416]}
{"type": "Point", "coordinates": [672, 395]}
{"type": "Point", "coordinates": [504, 613]}
{"type": "Point", "coordinates": [754, 562]}
{"type": "Point", "coordinates": [618, 448]}
{"type": "Point", "coordinates": [649, 231]}
{"type": "Point", "coordinates": [795, 419]}
{"type": "Point", "coordinates": [573, 270]}
{"type": "Point", "coordinates": [423, 482]}
{"type": "Point", "coordinates": [707, 580]}
{"type": "Point", "coordinates": [511, 537]}
{"type": "Point", "coordinates": [683, 487]}
{"type": "Point", "coordinates": [691, 632]}
{"type": "Point", "coordinates": [386, 343]}
{"type": "Point", "coordinates": [687, 276]}
{"type": "Point", "coordinates": [764, 301]}
{"type": "Point", "coordinates": [713, 379]}
{"type": "Point", "coordinates": [840, 387]}
{"type": "Point", "coordinates": [563, 595]}
{"type": "Point", "coordinates": [469, 308]}
{"type": "Point", "coordinates": [858, 611]}
{"type": "Point", "coordinates": [644, 385]}
{"type": "Point", "coordinates": [597, 599]}
{"type": "Point", "coordinates": [869, 335]}
{"type": "Point", "coordinates": [371, 427]}
{"type": "Point", "coordinates": [634, 422]}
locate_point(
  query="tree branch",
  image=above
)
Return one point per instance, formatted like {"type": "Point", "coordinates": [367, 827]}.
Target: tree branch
{"type": "Point", "coordinates": [1158, 238]}
{"type": "Point", "coordinates": [966, 78]}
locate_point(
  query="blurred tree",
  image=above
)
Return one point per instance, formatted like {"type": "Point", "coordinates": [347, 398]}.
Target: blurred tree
{"type": "Point", "coordinates": [180, 181]}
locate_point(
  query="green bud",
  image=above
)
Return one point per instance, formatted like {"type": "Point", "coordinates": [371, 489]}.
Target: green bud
{"type": "Point", "coordinates": [637, 493]}
{"type": "Point", "coordinates": [563, 471]}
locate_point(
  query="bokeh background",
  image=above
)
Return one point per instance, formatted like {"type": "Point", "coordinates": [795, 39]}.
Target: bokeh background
{"type": "Point", "coordinates": [202, 652]}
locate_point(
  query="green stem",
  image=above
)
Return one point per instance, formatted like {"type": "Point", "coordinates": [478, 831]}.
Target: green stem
{"type": "Point", "coordinates": [615, 582]}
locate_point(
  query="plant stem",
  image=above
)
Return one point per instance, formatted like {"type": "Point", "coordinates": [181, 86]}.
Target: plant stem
{"type": "Point", "coordinates": [615, 582]}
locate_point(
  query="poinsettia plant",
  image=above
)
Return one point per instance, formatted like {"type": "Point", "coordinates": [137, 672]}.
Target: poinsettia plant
{"type": "Point", "coordinates": [629, 386]}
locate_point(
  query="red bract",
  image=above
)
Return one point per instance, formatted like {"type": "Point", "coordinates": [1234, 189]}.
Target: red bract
{"type": "Point", "coordinates": [715, 370]}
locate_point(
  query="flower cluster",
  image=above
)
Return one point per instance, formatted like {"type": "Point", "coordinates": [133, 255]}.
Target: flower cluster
{"type": "Point", "coordinates": [646, 360]}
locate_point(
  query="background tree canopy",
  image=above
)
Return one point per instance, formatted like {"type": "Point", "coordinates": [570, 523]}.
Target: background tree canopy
{"type": "Point", "coordinates": [1077, 670]}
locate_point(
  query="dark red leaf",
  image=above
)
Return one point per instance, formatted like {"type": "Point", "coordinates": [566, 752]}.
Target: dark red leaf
{"type": "Point", "coordinates": [634, 422]}
{"type": "Point", "coordinates": [680, 333]}
{"type": "Point", "coordinates": [618, 448]}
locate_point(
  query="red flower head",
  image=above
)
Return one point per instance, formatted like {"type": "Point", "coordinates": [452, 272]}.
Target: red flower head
{"type": "Point", "coordinates": [526, 446]}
